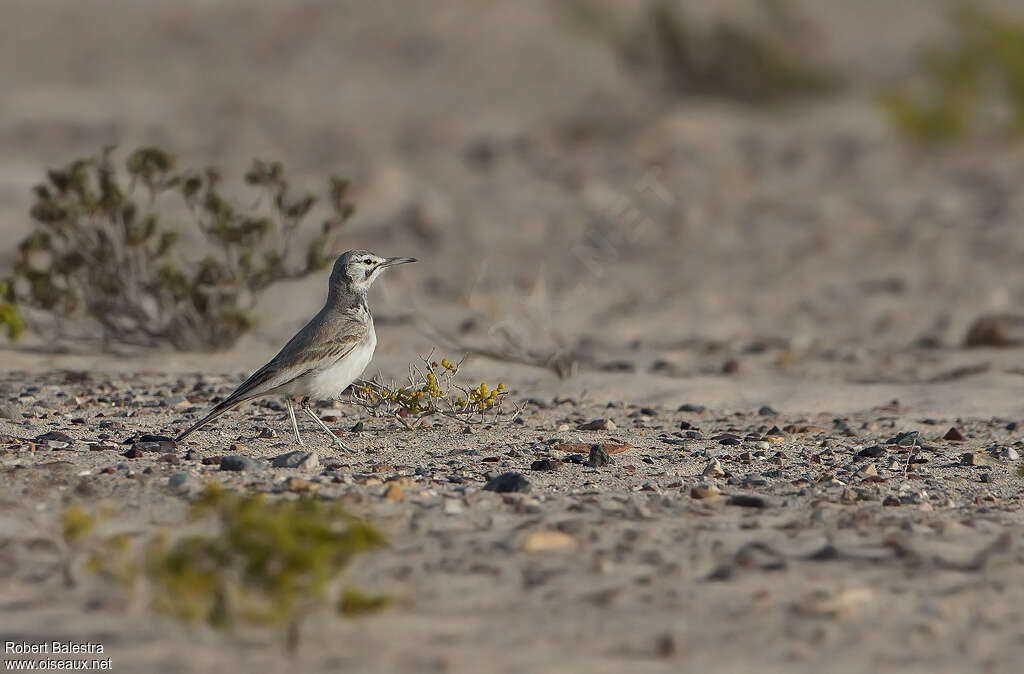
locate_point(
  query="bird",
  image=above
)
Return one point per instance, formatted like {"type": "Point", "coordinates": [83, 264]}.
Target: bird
{"type": "Point", "coordinates": [326, 355]}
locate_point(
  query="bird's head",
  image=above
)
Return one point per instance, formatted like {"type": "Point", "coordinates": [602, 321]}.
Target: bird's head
{"type": "Point", "coordinates": [356, 270]}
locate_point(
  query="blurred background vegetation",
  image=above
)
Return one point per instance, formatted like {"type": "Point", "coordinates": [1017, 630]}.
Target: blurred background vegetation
{"type": "Point", "coordinates": [577, 175]}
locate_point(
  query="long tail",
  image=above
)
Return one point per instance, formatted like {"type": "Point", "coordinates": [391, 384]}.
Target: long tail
{"type": "Point", "coordinates": [218, 410]}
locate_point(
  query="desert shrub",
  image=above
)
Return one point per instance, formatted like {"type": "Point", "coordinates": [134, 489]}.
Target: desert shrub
{"type": "Point", "coordinates": [10, 320]}
{"type": "Point", "coordinates": [105, 260]}
{"type": "Point", "coordinates": [241, 559]}
{"type": "Point", "coordinates": [974, 82]}
{"type": "Point", "coordinates": [431, 389]}
{"type": "Point", "coordinates": [765, 61]}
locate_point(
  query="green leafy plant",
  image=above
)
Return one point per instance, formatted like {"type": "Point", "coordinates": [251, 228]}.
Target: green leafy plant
{"type": "Point", "coordinates": [264, 562]}
{"type": "Point", "coordinates": [980, 71]}
{"type": "Point", "coordinates": [431, 389]}
{"type": "Point", "coordinates": [240, 559]}
{"type": "Point", "coordinates": [103, 251]}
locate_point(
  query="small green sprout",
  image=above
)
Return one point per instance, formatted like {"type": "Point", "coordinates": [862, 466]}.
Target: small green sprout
{"type": "Point", "coordinates": [431, 390]}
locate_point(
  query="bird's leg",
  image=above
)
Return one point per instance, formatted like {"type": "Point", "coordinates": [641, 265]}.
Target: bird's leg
{"type": "Point", "coordinates": [295, 426]}
{"type": "Point", "coordinates": [319, 421]}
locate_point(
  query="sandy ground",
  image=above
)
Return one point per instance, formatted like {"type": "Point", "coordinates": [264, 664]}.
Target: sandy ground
{"type": "Point", "coordinates": [679, 251]}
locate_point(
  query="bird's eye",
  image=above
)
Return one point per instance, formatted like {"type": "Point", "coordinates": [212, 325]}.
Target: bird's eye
{"type": "Point", "coordinates": [367, 261]}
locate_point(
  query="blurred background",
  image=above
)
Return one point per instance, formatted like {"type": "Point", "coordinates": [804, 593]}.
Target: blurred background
{"type": "Point", "coordinates": [674, 189]}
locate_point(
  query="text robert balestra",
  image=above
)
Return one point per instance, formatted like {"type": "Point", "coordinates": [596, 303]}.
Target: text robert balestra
{"type": "Point", "coordinates": [53, 647]}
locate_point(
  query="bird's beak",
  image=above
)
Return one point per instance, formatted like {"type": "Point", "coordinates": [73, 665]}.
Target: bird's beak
{"type": "Point", "coordinates": [396, 260]}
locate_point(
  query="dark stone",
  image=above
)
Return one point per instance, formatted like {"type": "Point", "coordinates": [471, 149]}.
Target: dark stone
{"type": "Point", "coordinates": [178, 480]}
{"type": "Point", "coordinates": [688, 407]}
{"type": "Point", "coordinates": [546, 464]}
{"type": "Point", "coordinates": [55, 436]}
{"type": "Point", "coordinates": [827, 553]}
{"type": "Point", "coordinates": [905, 439]}
{"type": "Point", "coordinates": [212, 460]}
{"type": "Point", "coordinates": [156, 438]}
{"type": "Point", "coordinates": [508, 482]}
{"type": "Point", "coordinates": [729, 441]}
{"type": "Point", "coordinates": [133, 453]}
{"type": "Point", "coordinates": [747, 501]}
{"type": "Point", "coordinates": [872, 452]}
{"type": "Point", "coordinates": [597, 425]}
{"type": "Point", "coordinates": [767, 411]}
{"type": "Point", "coordinates": [599, 457]}
{"type": "Point", "coordinates": [237, 462]}
{"type": "Point", "coordinates": [359, 426]}
{"type": "Point", "coordinates": [954, 434]}
{"type": "Point", "coordinates": [576, 458]}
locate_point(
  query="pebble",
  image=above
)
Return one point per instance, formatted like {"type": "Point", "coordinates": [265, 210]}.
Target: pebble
{"type": "Point", "coordinates": [747, 501]}
{"type": "Point", "coordinates": [713, 469]}
{"type": "Point", "coordinates": [148, 437]}
{"type": "Point", "coordinates": [235, 447]}
{"type": "Point", "coordinates": [872, 452]}
{"type": "Point", "coordinates": [296, 459]}
{"type": "Point", "coordinates": [707, 491]}
{"type": "Point", "coordinates": [598, 425]}
{"type": "Point", "coordinates": [954, 434]}
{"type": "Point", "coordinates": [767, 411]}
{"type": "Point", "coordinates": [9, 412]}
{"type": "Point", "coordinates": [546, 464]}
{"type": "Point", "coordinates": [599, 457]}
{"type": "Point", "coordinates": [183, 483]}
{"type": "Point", "coordinates": [296, 484]}
{"type": "Point", "coordinates": [870, 469]}
{"type": "Point", "coordinates": [1009, 454]}
{"type": "Point", "coordinates": [508, 482]}
{"type": "Point", "coordinates": [905, 439]}
{"type": "Point", "coordinates": [267, 433]}
{"type": "Point", "coordinates": [177, 479]}
{"type": "Point", "coordinates": [973, 459]}
{"type": "Point", "coordinates": [54, 436]}
{"type": "Point", "coordinates": [452, 506]}
{"type": "Point", "coordinates": [547, 541]}
{"type": "Point", "coordinates": [237, 462]}
{"type": "Point", "coordinates": [394, 493]}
